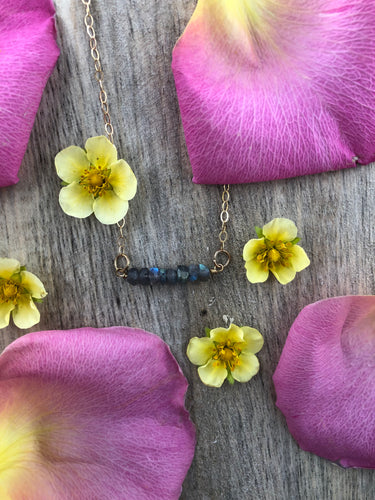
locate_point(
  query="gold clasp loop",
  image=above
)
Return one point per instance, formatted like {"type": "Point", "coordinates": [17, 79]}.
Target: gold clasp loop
{"type": "Point", "coordinates": [121, 271]}
{"type": "Point", "coordinates": [220, 266]}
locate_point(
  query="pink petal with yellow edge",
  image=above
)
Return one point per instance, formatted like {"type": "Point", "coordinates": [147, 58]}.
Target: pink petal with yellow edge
{"type": "Point", "coordinates": [271, 89]}
{"type": "Point", "coordinates": [325, 380]}
{"type": "Point", "coordinates": [93, 413]}
{"type": "Point", "coordinates": [28, 53]}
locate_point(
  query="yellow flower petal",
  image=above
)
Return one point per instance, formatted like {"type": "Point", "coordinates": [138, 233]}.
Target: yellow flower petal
{"type": "Point", "coordinates": [5, 310]}
{"type": "Point", "coordinates": [100, 151]}
{"type": "Point", "coordinates": [213, 373]}
{"type": "Point", "coordinates": [8, 267]}
{"type": "Point", "coordinates": [280, 230]}
{"type": "Point", "coordinates": [284, 274]}
{"type": "Point", "coordinates": [25, 314]}
{"type": "Point", "coordinates": [253, 340]}
{"type": "Point", "coordinates": [70, 163]}
{"type": "Point", "coordinates": [246, 369]}
{"type": "Point", "coordinates": [33, 285]}
{"type": "Point", "coordinates": [200, 350]}
{"type": "Point", "coordinates": [299, 260]}
{"type": "Point", "coordinates": [76, 201]}
{"type": "Point", "coordinates": [109, 208]}
{"type": "Point", "coordinates": [256, 272]}
{"type": "Point", "coordinates": [233, 333]}
{"type": "Point", "coordinates": [123, 180]}
{"type": "Point", "coordinates": [252, 248]}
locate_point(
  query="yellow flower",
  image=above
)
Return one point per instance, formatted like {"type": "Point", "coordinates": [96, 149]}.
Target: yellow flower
{"type": "Point", "coordinates": [228, 353]}
{"type": "Point", "coordinates": [18, 290]}
{"type": "Point", "coordinates": [96, 181]}
{"type": "Point", "coordinates": [275, 250]}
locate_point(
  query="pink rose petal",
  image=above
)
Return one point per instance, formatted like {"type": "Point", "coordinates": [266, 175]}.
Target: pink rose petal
{"type": "Point", "coordinates": [106, 413]}
{"type": "Point", "coordinates": [325, 380]}
{"type": "Point", "coordinates": [269, 89]}
{"type": "Point", "coordinates": [28, 53]}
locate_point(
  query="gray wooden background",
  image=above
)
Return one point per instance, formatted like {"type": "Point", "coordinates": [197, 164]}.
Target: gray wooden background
{"type": "Point", "coordinates": [244, 450]}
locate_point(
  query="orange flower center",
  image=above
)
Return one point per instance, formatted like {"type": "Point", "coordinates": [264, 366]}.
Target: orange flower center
{"type": "Point", "coordinates": [9, 292]}
{"type": "Point", "coordinates": [95, 180]}
{"type": "Point", "coordinates": [228, 353]}
{"type": "Point", "coordinates": [274, 253]}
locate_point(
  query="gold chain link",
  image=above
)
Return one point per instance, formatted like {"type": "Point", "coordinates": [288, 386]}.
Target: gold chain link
{"type": "Point", "coordinates": [223, 254]}
{"type": "Point", "coordinates": [99, 76]}
{"type": "Point", "coordinates": [122, 262]}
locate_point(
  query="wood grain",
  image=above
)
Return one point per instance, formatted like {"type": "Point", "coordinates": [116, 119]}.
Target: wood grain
{"type": "Point", "coordinates": [244, 449]}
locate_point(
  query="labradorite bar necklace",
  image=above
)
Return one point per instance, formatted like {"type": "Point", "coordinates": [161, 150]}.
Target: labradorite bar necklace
{"type": "Point", "coordinates": [192, 273]}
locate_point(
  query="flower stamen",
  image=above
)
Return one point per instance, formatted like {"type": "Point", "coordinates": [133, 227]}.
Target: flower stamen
{"type": "Point", "coordinates": [95, 180]}
{"type": "Point", "coordinates": [274, 252]}
{"type": "Point", "coordinates": [9, 291]}
{"type": "Point", "coordinates": [227, 353]}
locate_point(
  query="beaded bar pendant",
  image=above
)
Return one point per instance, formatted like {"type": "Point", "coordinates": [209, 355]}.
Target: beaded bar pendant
{"type": "Point", "coordinates": [156, 275]}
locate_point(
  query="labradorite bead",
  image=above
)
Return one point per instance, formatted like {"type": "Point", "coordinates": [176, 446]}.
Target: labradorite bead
{"type": "Point", "coordinates": [133, 275]}
{"type": "Point", "coordinates": [182, 274]}
{"type": "Point", "coordinates": [154, 274]}
{"type": "Point", "coordinates": [193, 272]}
{"type": "Point", "coordinates": [171, 276]}
{"type": "Point", "coordinates": [144, 276]}
{"type": "Point", "coordinates": [163, 276]}
{"type": "Point", "coordinates": [204, 272]}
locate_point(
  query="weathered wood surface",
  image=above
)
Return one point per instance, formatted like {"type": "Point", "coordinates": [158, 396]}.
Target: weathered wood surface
{"type": "Point", "coordinates": [244, 449]}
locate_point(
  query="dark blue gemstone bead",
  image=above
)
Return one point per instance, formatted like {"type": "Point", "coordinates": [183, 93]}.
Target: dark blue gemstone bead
{"type": "Point", "coordinates": [193, 272]}
{"type": "Point", "coordinates": [204, 272]}
{"type": "Point", "coordinates": [182, 274]}
{"type": "Point", "coordinates": [144, 277]}
{"type": "Point", "coordinates": [171, 276]}
{"type": "Point", "coordinates": [154, 274]}
{"type": "Point", "coordinates": [163, 276]}
{"type": "Point", "coordinates": [133, 276]}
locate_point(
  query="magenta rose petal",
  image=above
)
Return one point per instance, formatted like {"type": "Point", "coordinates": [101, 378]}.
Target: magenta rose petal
{"type": "Point", "coordinates": [93, 413]}
{"type": "Point", "coordinates": [28, 53]}
{"type": "Point", "coordinates": [325, 380]}
{"type": "Point", "coordinates": [271, 89]}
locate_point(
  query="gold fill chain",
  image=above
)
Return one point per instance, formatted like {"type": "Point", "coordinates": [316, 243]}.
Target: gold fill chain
{"type": "Point", "coordinates": [221, 257]}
